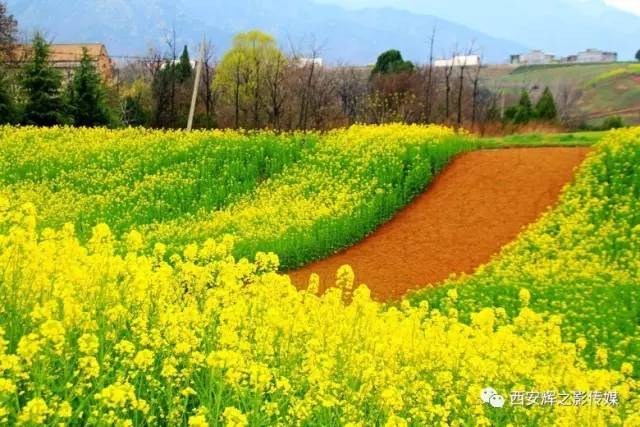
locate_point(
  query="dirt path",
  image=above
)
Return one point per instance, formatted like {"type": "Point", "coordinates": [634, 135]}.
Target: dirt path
{"type": "Point", "coordinates": [609, 113]}
{"type": "Point", "coordinates": [476, 205]}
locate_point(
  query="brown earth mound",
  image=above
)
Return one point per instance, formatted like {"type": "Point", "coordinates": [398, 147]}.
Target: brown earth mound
{"type": "Point", "coordinates": [474, 207]}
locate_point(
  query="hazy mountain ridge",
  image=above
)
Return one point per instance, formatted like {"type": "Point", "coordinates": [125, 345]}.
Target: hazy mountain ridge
{"type": "Point", "coordinates": [558, 26]}
{"type": "Point", "coordinates": [357, 37]}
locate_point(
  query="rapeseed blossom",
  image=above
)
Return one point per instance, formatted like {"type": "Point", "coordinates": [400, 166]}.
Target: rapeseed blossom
{"type": "Point", "coordinates": [196, 339]}
{"type": "Point", "coordinates": [139, 324]}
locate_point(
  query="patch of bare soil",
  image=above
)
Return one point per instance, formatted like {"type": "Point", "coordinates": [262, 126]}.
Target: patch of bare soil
{"type": "Point", "coordinates": [480, 202]}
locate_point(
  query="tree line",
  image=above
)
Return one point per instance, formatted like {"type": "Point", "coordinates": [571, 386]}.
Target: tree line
{"type": "Point", "coordinates": [254, 85]}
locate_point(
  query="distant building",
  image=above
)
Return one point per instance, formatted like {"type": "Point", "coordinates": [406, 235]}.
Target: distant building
{"type": "Point", "coordinates": [192, 62]}
{"type": "Point", "coordinates": [303, 62]}
{"type": "Point", "coordinates": [66, 58]}
{"type": "Point", "coordinates": [459, 61]}
{"type": "Point", "coordinates": [594, 55]}
{"type": "Point", "coordinates": [535, 57]}
{"type": "Point", "coordinates": [538, 57]}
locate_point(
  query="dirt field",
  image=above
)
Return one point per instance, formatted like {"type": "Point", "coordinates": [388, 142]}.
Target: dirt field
{"type": "Point", "coordinates": [477, 205]}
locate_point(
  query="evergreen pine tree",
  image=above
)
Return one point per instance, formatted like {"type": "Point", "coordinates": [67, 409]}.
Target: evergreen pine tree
{"type": "Point", "coordinates": [7, 107]}
{"type": "Point", "coordinates": [87, 97]}
{"type": "Point", "coordinates": [133, 113]}
{"type": "Point", "coordinates": [184, 66]}
{"type": "Point", "coordinates": [41, 84]}
{"type": "Point", "coordinates": [546, 106]}
{"type": "Point", "coordinates": [161, 88]}
{"type": "Point", "coordinates": [524, 110]}
{"type": "Point", "coordinates": [510, 113]}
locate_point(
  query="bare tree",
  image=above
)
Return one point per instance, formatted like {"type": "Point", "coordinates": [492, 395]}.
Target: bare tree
{"type": "Point", "coordinates": [462, 67]}
{"type": "Point", "coordinates": [448, 72]}
{"type": "Point", "coordinates": [475, 93]}
{"type": "Point", "coordinates": [428, 98]}
{"type": "Point", "coordinates": [237, 83]}
{"type": "Point", "coordinates": [172, 71]}
{"type": "Point", "coordinates": [323, 94]}
{"type": "Point", "coordinates": [208, 93]}
{"type": "Point", "coordinates": [487, 109]}
{"type": "Point", "coordinates": [154, 63]}
{"type": "Point", "coordinates": [257, 87]}
{"type": "Point", "coordinates": [8, 30]}
{"type": "Point", "coordinates": [154, 67]}
{"type": "Point", "coordinates": [304, 99]}
{"type": "Point", "coordinates": [352, 90]}
{"type": "Point", "coordinates": [307, 67]}
{"type": "Point", "coordinates": [164, 85]}
{"type": "Point", "coordinates": [567, 96]}
{"type": "Point", "coordinates": [275, 78]}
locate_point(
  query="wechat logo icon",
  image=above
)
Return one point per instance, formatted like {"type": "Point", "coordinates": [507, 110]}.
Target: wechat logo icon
{"type": "Point", "coordinates": [490, 396]}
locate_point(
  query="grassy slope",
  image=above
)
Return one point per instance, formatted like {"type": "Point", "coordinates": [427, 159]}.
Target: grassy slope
{"type": "Point", "coordinates": [576, 139]}
{"type": "Point", "coordinates": [606, 88]}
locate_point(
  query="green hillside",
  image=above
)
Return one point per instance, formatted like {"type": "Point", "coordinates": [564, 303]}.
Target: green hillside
{"type": "Point", "coordinates": [599, 90]}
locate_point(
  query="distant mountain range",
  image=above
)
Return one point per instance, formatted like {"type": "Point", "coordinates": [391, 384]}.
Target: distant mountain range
{"type": "Point", "coordinates": [561, 27]}
{"type": "Point", "coordinates": [131, 27]}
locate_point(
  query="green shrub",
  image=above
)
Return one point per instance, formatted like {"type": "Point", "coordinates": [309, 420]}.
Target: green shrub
{"type": "Point", "coordinates": [613, 122]}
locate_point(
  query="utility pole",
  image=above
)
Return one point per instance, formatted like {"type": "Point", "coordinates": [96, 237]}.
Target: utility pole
{"type": "Point", "coordinates": [196, 83]}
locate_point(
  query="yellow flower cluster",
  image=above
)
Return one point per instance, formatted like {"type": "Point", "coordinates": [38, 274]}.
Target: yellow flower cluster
{"type": "Point", "coordinates": [623, 71]}
{"type": "Point", "coordinates": [131, 177]}
{"type": "Point", "coordinates": [93, 337]}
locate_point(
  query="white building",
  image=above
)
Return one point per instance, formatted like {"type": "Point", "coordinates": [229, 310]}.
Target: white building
{"type": "Point", "coordinates": [193, 63]}
{"type": "Point", "coordinates": [535, 57]}
{"type": "Point", "coordinates": [304, 62]}
{"type": "Point", "coordinates": [538, 57]}
{"type": "Point", "coordinates": [458, 61]}
{"type": "Point", "coordinates": [595, 55]}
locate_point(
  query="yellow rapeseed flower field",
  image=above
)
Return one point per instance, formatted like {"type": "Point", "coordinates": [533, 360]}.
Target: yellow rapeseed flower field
{"type": "Point", "coordinates": [163, 320]}
{"type": "Point", "coordinates": [91, 337]}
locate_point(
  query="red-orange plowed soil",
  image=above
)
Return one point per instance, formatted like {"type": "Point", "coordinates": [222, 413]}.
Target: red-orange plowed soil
{"type": "Point", "coordinates": [474, 207]}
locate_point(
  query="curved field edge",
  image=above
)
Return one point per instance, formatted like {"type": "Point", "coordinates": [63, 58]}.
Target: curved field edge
{"type": "Point", "coordinates": [355, 180]}
{"type": "Point", "coordinates": [303, 196]}
{"type": "Point", "coordinates": [478, 204]}
{"type": "Point", "coordinates": [580, 261]}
